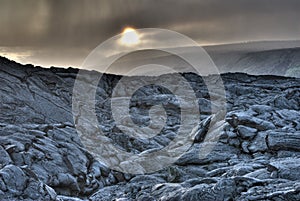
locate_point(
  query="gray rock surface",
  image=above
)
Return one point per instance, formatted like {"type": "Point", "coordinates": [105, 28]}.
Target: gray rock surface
{"type": "Point", "coordinates": [42, 157]}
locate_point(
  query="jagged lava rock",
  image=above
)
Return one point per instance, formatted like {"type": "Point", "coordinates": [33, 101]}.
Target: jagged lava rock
{"type": "Point", "coordinates": [42, 156]}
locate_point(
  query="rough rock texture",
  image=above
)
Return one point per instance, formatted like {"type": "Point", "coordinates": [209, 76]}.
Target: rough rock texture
{"type": "Point", "coordinates": [42, 158]}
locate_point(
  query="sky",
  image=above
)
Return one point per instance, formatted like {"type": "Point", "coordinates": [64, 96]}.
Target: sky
{"type": "Point", "coordinates": [64, 32]}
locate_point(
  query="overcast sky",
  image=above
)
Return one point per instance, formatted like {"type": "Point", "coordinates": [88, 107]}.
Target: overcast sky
{"type": "Point", "coordinates": [63, 32]}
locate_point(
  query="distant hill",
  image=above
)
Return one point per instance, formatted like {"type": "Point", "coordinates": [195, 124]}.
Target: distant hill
{"type": "Point", "coordinates": [257, 58]}
{"type": "Point", "coordinates": [284, 62]}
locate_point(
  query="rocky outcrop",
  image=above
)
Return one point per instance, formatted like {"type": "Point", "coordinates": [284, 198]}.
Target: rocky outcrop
{"type": "Point", "coordinates": [43, 158]}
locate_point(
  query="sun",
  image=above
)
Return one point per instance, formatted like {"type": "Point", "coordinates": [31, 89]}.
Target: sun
{"type": "Point", "coordinates": [130, 37]}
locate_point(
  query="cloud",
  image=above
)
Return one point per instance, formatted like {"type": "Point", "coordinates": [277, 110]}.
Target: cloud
{"type": "Point", "coordinates": [74, 25]}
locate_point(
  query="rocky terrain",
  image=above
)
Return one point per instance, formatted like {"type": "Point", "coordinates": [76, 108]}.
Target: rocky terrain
{"type": "Point", "coordinates": [42, 157]}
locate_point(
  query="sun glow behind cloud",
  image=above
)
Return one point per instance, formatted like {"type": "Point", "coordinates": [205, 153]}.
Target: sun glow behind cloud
{"type": "Point", "coordinates": [130, 37]}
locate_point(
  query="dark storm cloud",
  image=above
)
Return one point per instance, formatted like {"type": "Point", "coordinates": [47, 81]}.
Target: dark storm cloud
{"type": "Point", "coordinates": [86, 23]}
{"type": "Point", "coordinates": [78, 24]}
